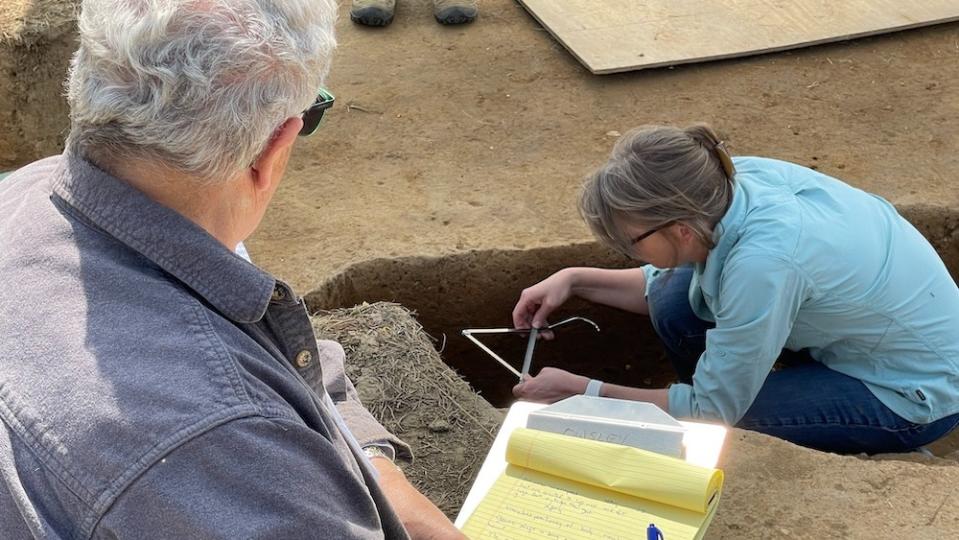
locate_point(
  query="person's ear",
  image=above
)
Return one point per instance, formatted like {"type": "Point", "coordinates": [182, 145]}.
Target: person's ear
{"type": "Point", "coordinates": [686, 234]}
{"type": "Point", "coordinates": [265, 170]}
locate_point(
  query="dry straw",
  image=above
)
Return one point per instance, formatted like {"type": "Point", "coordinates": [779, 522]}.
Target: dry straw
{"type": "Point", "coordinates": [403, 381]}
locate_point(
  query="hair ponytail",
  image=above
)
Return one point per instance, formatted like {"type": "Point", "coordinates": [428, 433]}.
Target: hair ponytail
{"type": "Point", "coordinates": [704, 135]}
{"type": "Point", "coordinates": [658, 175]}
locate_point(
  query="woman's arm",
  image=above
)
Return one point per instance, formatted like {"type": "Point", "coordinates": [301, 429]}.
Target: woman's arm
{"type": "Point", "coordinates": [759, 299]}
{"type": "Point", "coordinates": [761, 295]}
{"type": "Point", "coordinates": [554, 384]}
{"type": "Point", "coordinates": [656, 396]}
{"type": "Point", "coordinates": [623, 289]}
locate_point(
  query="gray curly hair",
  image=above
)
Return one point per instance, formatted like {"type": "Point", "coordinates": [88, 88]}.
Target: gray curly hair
{"type": "Point", "coordinates": [198, 85]}
{"type": "Point", "coordinates": [658, 175]}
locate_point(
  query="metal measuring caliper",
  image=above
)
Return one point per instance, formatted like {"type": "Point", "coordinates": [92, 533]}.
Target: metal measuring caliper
{"type": "Point", "coordinates": [530, 343]}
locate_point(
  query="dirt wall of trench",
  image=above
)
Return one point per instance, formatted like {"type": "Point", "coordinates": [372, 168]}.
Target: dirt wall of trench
{"type": "Point", "coordinates": [478, 289]}
{"type": "Point", "coordinates": [37, 40]}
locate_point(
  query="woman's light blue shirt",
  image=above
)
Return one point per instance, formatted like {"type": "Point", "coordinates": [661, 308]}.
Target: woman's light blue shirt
{"type": "Point", "coordinates": [804, 261]}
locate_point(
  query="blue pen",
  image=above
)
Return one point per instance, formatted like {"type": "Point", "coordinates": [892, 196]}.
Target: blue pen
{"type": "Point", "coordinates": [653, 533]}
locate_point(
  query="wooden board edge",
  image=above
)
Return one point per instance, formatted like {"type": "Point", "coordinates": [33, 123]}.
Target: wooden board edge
{"type": "Point", "coordinates": [598, 69]}
{"type": "Point", "coordinates": [559, 40]}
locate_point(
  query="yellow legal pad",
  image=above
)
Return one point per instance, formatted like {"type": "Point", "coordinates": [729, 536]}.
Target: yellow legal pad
{"type": "Point", "coordinates": [561, 487]}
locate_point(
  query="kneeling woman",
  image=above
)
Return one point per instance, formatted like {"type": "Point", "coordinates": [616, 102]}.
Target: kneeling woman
{"type": "Point", "coordinates": [753, 260]}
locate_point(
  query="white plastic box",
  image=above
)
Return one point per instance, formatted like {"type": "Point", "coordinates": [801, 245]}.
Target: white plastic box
{"type": "Point", "coordinates": [631, 423]}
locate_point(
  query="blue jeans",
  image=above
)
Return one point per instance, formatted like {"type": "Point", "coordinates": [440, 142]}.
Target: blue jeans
{"type": "Point", "coordinates": [805, 402]}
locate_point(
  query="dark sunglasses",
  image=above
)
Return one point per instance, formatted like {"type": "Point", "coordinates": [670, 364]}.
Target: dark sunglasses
{"type": "Point", "coordinates": [314, 113]}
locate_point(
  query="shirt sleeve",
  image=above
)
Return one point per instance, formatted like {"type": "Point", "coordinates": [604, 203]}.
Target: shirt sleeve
{"type": "Point", "coordinates": [253, 477]}
{"type": "Point", "coordinates": [651, 273]}
{"type": "Point", "coordinates": [759, 298]}
{"type": "Point", "coordinates": [364, 427]}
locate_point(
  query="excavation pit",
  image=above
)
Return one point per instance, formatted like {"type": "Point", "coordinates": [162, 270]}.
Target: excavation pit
{"type": "Point", "coordinates": [479, 289]}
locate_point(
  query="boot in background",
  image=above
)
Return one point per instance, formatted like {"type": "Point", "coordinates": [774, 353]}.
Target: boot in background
{"type": "Point", "coordinates": [455, 11]}
{"type": "Point", "coordinates": [372, 12]}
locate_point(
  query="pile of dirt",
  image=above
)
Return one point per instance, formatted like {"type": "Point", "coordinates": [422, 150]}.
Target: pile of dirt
{"type": "Point", "coordinates": [774, 489]}
{"type": "Point", "coordinates": [402, 380]}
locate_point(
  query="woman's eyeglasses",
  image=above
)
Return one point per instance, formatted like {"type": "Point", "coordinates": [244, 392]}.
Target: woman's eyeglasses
{"type": "Point", "coordinates": [313, 115]}
{"type": "Point", "coordinates": [648, 233]}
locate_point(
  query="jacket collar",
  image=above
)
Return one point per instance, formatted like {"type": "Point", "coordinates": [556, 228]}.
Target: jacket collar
{"type": "Point", "coordinates": [236, 288]}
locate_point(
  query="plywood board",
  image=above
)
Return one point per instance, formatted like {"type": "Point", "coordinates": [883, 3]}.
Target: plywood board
{"type": "Point", "coordinates": [608, 36]}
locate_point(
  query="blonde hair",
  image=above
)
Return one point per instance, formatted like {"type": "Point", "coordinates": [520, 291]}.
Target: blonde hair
{"type": "Point", "coordinates": [658, 175]}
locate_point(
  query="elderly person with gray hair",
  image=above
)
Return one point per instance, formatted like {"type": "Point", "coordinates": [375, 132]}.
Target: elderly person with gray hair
{"type": "Point", "coordinates": [754, 260]}
{"type": "Point", "coordinates": [153, 383]}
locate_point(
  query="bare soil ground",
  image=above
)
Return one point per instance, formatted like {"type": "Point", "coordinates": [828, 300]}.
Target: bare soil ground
{"type": "Point", "coordinates": [473, 141]}
{"type": "Point", "coordinates": [446, 178]}
{"type": "Point", "coordinates": [449, 139]}
{"type": "Point", "coordinates": [774, 489]}
{"type": "Point", "coordinates": [37, 38]}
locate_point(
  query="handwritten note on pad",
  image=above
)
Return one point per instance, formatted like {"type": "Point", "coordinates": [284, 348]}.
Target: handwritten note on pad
{"type": "Point", "coordinates": [561, 487]}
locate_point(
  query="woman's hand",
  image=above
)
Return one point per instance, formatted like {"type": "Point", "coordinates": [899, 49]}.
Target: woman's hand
{"type": "Point", "coordinates": [550, 386]}
{"type": "Point", "coordinates": [536, 303]}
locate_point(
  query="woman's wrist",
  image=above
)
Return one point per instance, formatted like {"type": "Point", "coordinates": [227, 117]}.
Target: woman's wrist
{"type": "Point", "coordinates": [578, 385]}
{"type": "Point", "coordinates": [573, 277]}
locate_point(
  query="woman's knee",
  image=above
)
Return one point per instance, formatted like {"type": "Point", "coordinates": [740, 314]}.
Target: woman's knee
{"type": "Point", "coordinates": [814, 406]}
{"type": "Point", "coordinates": [669, 310]}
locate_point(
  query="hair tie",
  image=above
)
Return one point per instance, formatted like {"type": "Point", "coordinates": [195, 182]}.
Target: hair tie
{"type": "Point", "coordinates": [725, 159]}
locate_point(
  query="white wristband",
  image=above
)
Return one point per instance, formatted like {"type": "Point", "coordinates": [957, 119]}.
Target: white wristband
{"type": "Point", "coordinates": [593, 388]}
